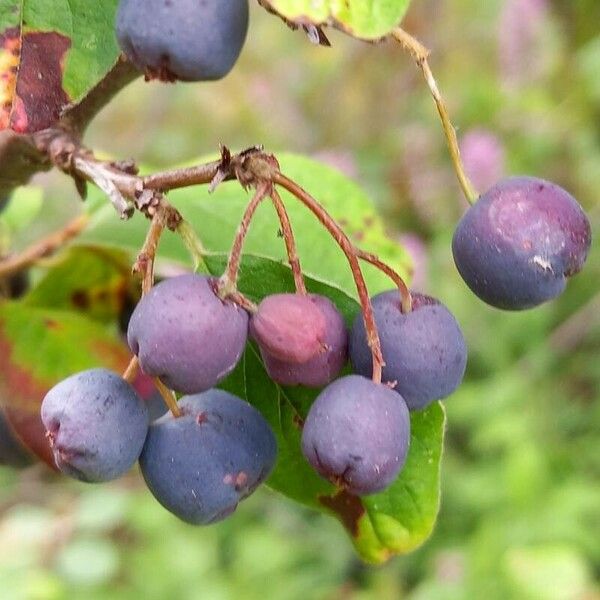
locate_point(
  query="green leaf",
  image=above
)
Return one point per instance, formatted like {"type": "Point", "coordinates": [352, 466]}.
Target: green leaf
{"type": "Point", "coordinates": [400, 518]}
{"type": "Point", "coordinates": [40, 347]}
{"type": "Point", "coordinates": [52, 52]}
{"type": "Point", "coordinates": [366, 19]}
{"type": "Point", "coordinates": [91, 280]}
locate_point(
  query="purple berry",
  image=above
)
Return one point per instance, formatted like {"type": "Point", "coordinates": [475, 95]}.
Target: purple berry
{"type": "Point", "coordinates": [290, 327]}
{"type": "Point", "coordinates": [200, 465]}
{"type": "Point", "coordinates": [183, 333]}
{"type": "Point", "coordinates": [424, 350]}
{"type": "Point", "coordinates": [326, 365]}
{"type": "Point", "coordinates": [518, 244]}
{"type": "Point", "coordinates": [190, 40]}
{"type": "Point", "coordinates": [96, 424]}
{"type": "Point", "coordinates": [357, 434]}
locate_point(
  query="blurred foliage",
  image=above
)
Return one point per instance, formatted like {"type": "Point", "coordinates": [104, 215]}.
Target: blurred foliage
{"type": "Point", "coordinates": [520, 514]}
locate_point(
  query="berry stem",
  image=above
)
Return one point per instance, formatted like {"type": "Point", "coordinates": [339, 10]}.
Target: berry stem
{"type": "Point", "coordinates": [228, 282]}
{"type": "Point", "coordinates": [405, 297]}
{"type": "Point", "coordinates": [348, 249]}
{"type": "Point", "coordinates": [168, 397]}
{"type": "Point", "coordinates": [132, 369]}
{"type": "Point", "coordinates": [420, 54]}
{"type": "Point", "coordinates": [245, 303]}
{"type": "Point", "coordinates": [144, 263]}
{"type": "Point", "coordinates": [290, 242]}
{"type": "Point", "coordinates": [42, 248]}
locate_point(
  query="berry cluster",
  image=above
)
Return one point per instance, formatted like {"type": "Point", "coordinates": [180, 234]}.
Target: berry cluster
{"type": "Point", "coordinates": [201, 462]}
{"type": "Point", "coordinates": [515, 247]}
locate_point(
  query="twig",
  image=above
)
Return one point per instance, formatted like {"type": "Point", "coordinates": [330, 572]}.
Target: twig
{"type": "Point", "coordinates": [179, 178]}
{"type": "Point", "coordinates": [347, 247]}
{"type": "Point", "coordinates": [77, 117]}
{"type": "Point", "coordinates": [20, 159]}
{"type": "Point", "coordinates": [290, 242]}
{"type": "Point", "coordinates": [228, 281]}
{"type": "Point", "coordinates": [119, 187]}
{"type": "Point", "coordinates": [405, 297]}
{"type": "Point", "coordinates": [168, 397]}
{"type": "Point", "coordinates": [43, 247]}
{"type": "Point", "coordinates": [126, 188]}
{"type": "Point", "coordinates": [420, 54]}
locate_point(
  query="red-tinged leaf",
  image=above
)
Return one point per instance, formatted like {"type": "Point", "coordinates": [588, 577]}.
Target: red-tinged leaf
{"type": "Point", "coordinates": [52, 53]}
{"type": "Point", "coordinates": [39, 348]}
{"type": "Point", "coordinates": [31, 73]}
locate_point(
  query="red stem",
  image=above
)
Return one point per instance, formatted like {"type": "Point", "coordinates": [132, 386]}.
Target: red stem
{"type": "Point", "coordinates": [228, 282]}
{"type": "Point", "coordinates": [405, 297]}
{"type": "Point", "coordinates": [347, 247]}
{"type": "Point", "coordinates": [290, 242]}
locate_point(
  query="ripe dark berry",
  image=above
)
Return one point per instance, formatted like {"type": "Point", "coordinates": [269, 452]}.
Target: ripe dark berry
{"type": "Point", "coordinates": [96, 424]}
{"type": "Point", "coordinates": [518, 244]}
{"type": "Point", "coordinates": [357, 434]}
{"type": "Point", "coordinates": [185, 334]}
{"type": "Point", "coordinates": [201, 465]}
{"type": "Point", "coordinates": [328, 362]}
{"type": "Point", "coordinates": [424, 350]}
{"type": "Point", "coordinates": [190, 40]}
{"type": "Point", "coordinates": [290, 327]}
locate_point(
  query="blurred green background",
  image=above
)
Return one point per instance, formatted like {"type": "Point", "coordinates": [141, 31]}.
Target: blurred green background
{"type": "Point", "coordinates": [520, 515]}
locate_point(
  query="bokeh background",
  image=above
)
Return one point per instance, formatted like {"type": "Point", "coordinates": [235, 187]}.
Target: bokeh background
{"type": "Point", "coordinates": [520, 514]}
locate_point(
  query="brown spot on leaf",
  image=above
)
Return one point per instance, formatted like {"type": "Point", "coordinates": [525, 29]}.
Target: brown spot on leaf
{"type": "Point", "coordinates": [80, 299]}
{"type": "Point", "coordinates": [31, 66]}
{"type": "Point", "coordinates": [347, 507]}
